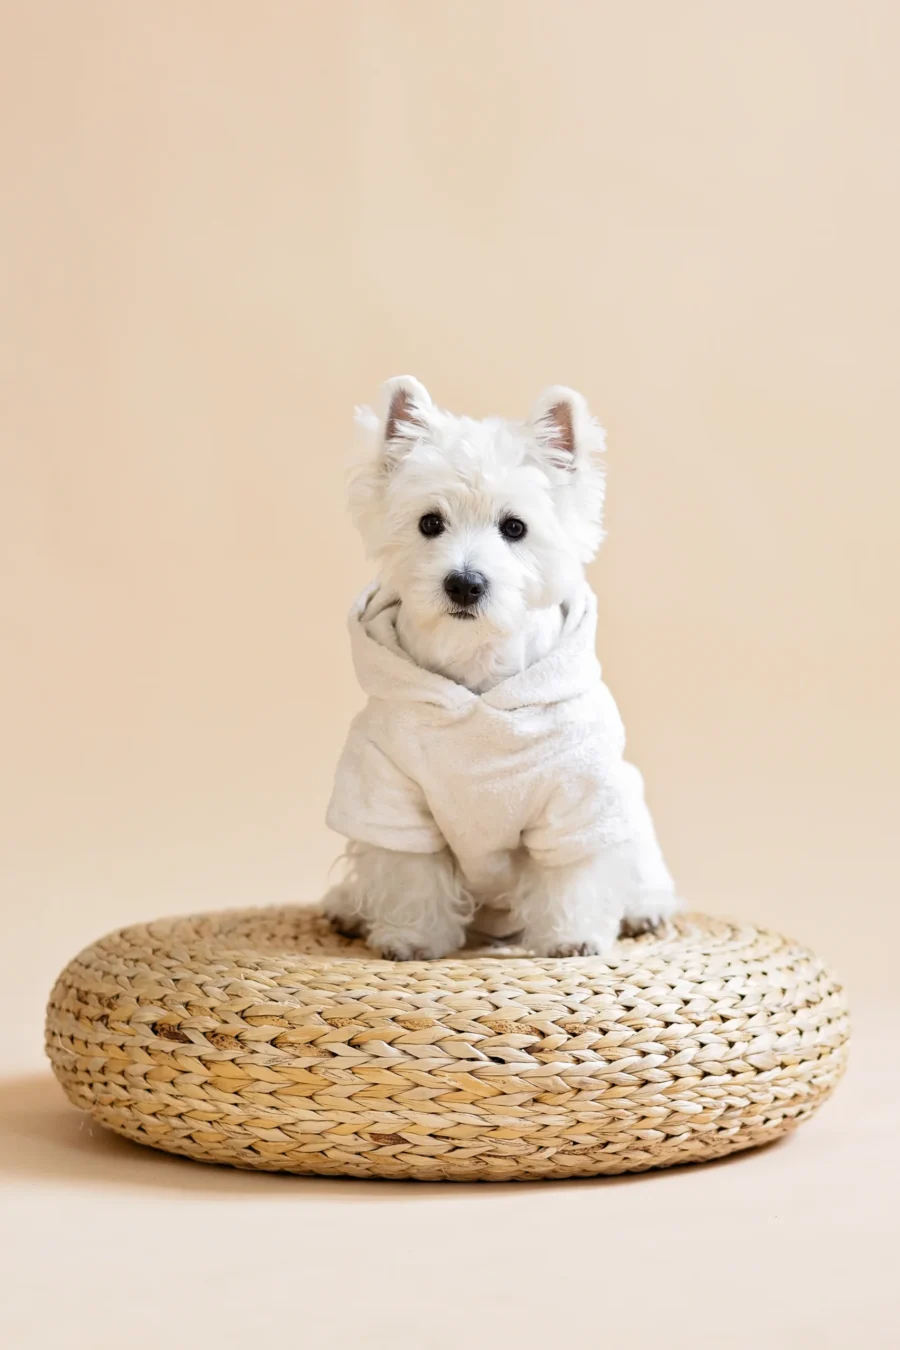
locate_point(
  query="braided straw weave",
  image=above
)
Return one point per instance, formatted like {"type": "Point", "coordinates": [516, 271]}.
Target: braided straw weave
{"type": "Point", "coordinates": [259, 1038]}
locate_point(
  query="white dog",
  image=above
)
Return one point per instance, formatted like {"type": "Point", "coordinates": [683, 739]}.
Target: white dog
{"type": "Point", "coordinates": [483, 786]}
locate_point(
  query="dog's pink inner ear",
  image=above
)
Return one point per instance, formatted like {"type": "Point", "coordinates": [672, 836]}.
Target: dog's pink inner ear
{"type": "Point", "coordinates": [402, 414]}
{"type": "Point", "coordinates": [557, 431]}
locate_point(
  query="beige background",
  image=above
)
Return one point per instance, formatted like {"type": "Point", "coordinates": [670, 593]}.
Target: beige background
{"type": "Point", "coordinates": [224, 223]}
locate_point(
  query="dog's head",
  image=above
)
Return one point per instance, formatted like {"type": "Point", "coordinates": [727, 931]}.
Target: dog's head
{"type": "Point", "coordinates": [477, 522]}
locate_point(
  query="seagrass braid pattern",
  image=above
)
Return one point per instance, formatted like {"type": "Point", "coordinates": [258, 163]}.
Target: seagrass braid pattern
{"type": "Point", "coordinates": [261, 1039]}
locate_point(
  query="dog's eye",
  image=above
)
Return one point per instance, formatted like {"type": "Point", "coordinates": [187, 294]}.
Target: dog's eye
{"type": "Point", "coordinates": [513, 528]}
{"type": "Point", "coordinates": [431, 524]}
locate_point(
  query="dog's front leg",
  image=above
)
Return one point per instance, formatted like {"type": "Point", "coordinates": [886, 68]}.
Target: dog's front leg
{"type": "Point", "coordinates": [411, 906]}
{"type": "Point", "coordinates": [569, 910]}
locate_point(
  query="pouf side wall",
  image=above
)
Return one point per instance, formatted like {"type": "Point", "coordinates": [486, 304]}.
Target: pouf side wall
{"type": "Point", "coordinates": [257, 1039]}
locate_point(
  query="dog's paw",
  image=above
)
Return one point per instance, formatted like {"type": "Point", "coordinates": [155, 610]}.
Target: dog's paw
{"type": "Point", "coordinates": [393, 946]}
{"type": "Point", "coordinates": [399, 944]}
{"type": "Point", "coordinates": [632, 928]}
{"type": "Point", "coordinates": [648, 913]}
{"type": "Point", "coordinates": [343, 912]}
{"type": "Point", "coordinates": [348, 926]}
{"type": "Point", "coordinates": [587, 947]}
{"type": "Point", "coordinates": [403, 951]}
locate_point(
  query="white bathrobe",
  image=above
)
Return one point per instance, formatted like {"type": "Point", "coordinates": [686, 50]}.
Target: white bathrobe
{"type": "Point", "coordinates": [534, 762]}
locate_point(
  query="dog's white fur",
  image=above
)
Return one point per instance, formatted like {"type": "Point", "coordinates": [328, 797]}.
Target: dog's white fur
{"type": "Point", "coordinates": [547, 472]}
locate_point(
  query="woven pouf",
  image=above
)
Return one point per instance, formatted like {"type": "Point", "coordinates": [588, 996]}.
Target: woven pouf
{"type": "Point", "coordinates": [261, 1039]}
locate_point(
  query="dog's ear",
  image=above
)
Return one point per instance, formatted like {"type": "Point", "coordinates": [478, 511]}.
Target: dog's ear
{"type": "Point", "coordinates": [569, 442]}
{"type": "Point", "coordinates": [405, 407]}
{"type": "Point", "coordinates": [563, 427]}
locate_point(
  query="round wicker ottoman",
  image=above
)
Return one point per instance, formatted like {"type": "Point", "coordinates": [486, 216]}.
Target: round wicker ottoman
{"type": "Point", "coordinates": [261, 1039]}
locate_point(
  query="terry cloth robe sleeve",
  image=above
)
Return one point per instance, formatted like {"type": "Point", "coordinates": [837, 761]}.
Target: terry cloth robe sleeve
{"type": "Point", "coordinates": [589, 805]}
{"type": "Point", "coordinates": [599, 809]}
{"type": "Point", "coordinates": [375, 802]}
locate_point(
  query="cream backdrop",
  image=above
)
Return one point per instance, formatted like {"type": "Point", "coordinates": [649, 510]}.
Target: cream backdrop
{"type": "Point", "coordinates": [223, 224]}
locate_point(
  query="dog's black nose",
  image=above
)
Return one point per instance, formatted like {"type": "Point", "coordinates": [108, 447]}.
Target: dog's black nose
{"type": "Point", "coordinates": [465, 589]}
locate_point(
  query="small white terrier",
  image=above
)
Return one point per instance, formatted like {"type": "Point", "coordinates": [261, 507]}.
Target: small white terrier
{"type": "Point", "coordinates": [483, 787]}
